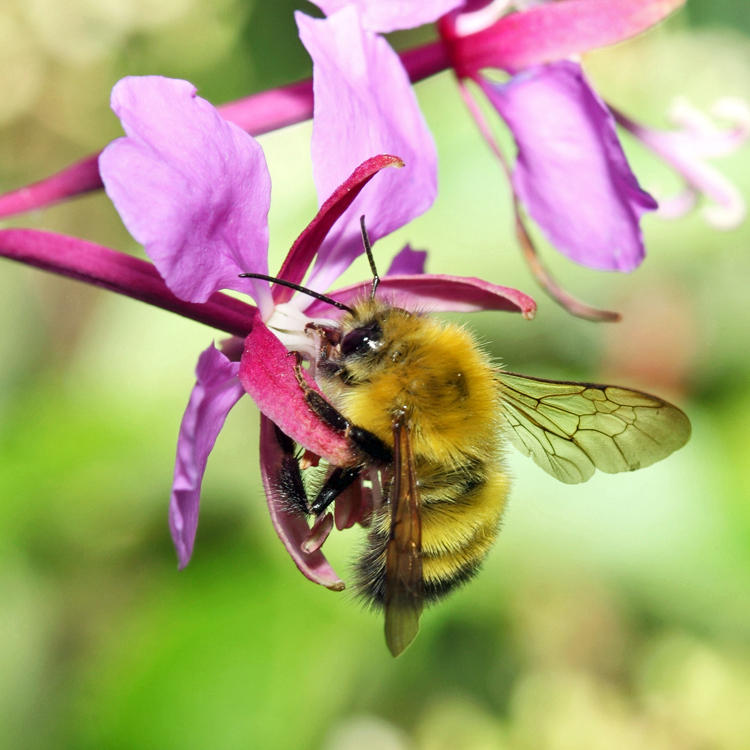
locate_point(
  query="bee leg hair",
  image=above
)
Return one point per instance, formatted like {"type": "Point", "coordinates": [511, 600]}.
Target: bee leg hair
{"type": "Point", "coordinates": [288, 480]}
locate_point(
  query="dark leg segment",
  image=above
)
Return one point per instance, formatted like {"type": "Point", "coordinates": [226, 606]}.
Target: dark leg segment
{"type": "Point", "coordinates": [339, 480]}
{"type": "Point", "coordinates": [370, 443]}
{"type": "Point", "coordinates": [328, 413]}
{"type": "Point", "coordinates": [366, 441]}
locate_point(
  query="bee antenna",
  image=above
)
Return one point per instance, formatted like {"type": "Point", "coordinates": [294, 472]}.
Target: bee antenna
{"type": "Point", "coordinates": [298, 288]}
{"type": "Point", "coordinates": [368, 250]}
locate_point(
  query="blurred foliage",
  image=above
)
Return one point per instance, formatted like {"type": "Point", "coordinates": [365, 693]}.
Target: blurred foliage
{"type": "Point", "coordinates": [610, 615]}
{"type": "Point", "coordinates": [719, 13]}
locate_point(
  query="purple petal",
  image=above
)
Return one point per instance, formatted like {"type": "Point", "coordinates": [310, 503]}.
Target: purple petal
{"type": "Point", "coordinates": [216, 391]}
{"type": "Point", "coordinates": [526, 244]}
{"type": "Point", "coordinates": [258, 113]}
{"type": "Point", "coordinates": [389, 15]}
{"type": "Point", "coordinates": [434, 293]}
{"type": "Point", "coordinates": [571, 172]}
{"type": "Point", "coordinates": [364, 105]}
{"type": "Point", "coordinates": [291, 527]}
{"type": "Point", "coordinates": [189, 186]}
{"type": "Point", "coordinates": [267, 374]}
{"type": "Point", "coordinates": [305, 247]}
{"type": "Point", "coordinates": [407, 262]}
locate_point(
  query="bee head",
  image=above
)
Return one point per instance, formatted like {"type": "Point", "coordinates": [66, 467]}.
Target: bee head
{"type": "Point", "coordinates": [371, 341]}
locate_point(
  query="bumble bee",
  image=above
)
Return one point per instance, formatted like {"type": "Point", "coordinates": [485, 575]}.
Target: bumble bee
{"type": "Point", "coordinates": [419, 399]}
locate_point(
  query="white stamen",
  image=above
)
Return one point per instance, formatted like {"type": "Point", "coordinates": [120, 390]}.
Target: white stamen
{"type": "Point", "coordinates": [684, 115]}
{"type": "Point", "coordinates": [707, 137]}
{"type": "Point", "coordinates": [687, 149]}
{"type": "Point", "coordinates": [730, 213]}
{"type": "Point", "coordinates": [733, 109]}
{"type": "Point", "coordinates": [478, 20]}
{"type": "Point", "coordinates": [679, 204]}
{"type": "Point", "coordinates": [288, 324]}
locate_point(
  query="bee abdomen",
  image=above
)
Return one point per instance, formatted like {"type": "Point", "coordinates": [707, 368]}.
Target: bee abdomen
{"type": "Point", "coordinates": [370, 572]}
{"type": "Point", "coordinates": [457, 534]}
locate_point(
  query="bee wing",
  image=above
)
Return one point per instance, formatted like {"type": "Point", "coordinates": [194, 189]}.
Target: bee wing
{"type": "Point", "coordinates": [403, 562]}
{"type": "Point", "coordinates": [570, 429]}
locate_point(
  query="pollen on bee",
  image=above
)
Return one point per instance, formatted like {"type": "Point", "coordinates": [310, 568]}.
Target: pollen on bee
{"type": "Point", "coordinates": [308, 460]}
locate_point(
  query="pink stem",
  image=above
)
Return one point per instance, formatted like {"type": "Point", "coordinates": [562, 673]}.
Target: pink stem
{"type": "Point", "coordinates": [257, 114]}
{"type": "Point", "coordinates": [121, 273]}
{"type": "Point", "coordinates": [77, 179]}
{"type": "Point", "coordinates": [273, 109]}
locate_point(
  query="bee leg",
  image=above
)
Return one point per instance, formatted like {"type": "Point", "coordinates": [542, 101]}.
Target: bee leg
{"type": "Point", "coordinates": [339, 480]}
{"type": "Point", "coordinates": [288, 480]}
{"type": "Point", "coordinates": [366, 441]}
{"type": "Point", "coordinates": [330, 336]}
{"type": "Point", "coordinates": [369, 443]}
{"type": "Point", "coordinates": [327, 338]}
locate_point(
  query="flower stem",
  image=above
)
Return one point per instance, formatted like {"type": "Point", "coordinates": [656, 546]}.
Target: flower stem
{"type": "Point", "coordinates": [121, 273]}
{"type": "Point", "coordinates": [257, 114]}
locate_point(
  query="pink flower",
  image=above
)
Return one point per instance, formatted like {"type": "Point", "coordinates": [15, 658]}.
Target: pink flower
{"type": "Point", "coordinates": [195, 190]}
{"type": "Point", "coordinates": [571, 173]}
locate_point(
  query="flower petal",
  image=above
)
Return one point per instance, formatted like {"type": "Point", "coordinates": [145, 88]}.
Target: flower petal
{"type": "Point", "coordinates": [302, 252]}
{"type": "Point", "coordinates": [267, 374]}
{"type": "Point", "coordinates": [353, 505]}
{"type": "Point", "coordinates": [189, 186]}
{"type": "Point", "coordinates": [364, 105]}
{"type": "Point", "coordinates": [292, 528]}
{"type": "Point", "coordinates": [551, 31]}
{"type": "Point", "coordinates": [389, 15]}
{"type": "Point", "coordinates": [525, 242]}
{"type": "Point", "coordinates": [407, 262]}
{"type": "Point", "coordinates": [571, 172]}
{"type": "Point", "coordinates": [216, 391]}
{"type": "Point", "coordinates": [434, 293]}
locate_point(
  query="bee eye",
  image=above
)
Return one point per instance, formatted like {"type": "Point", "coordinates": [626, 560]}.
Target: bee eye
{"type": "Point", "coordinates": [361, 340]}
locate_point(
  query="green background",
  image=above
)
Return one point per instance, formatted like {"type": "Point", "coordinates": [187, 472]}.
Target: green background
{"type": "Point", "coordinates": [614, 614]}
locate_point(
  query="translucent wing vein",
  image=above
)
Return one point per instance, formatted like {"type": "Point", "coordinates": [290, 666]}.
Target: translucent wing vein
{"type": "Point", "coordinates": [571, 429]}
